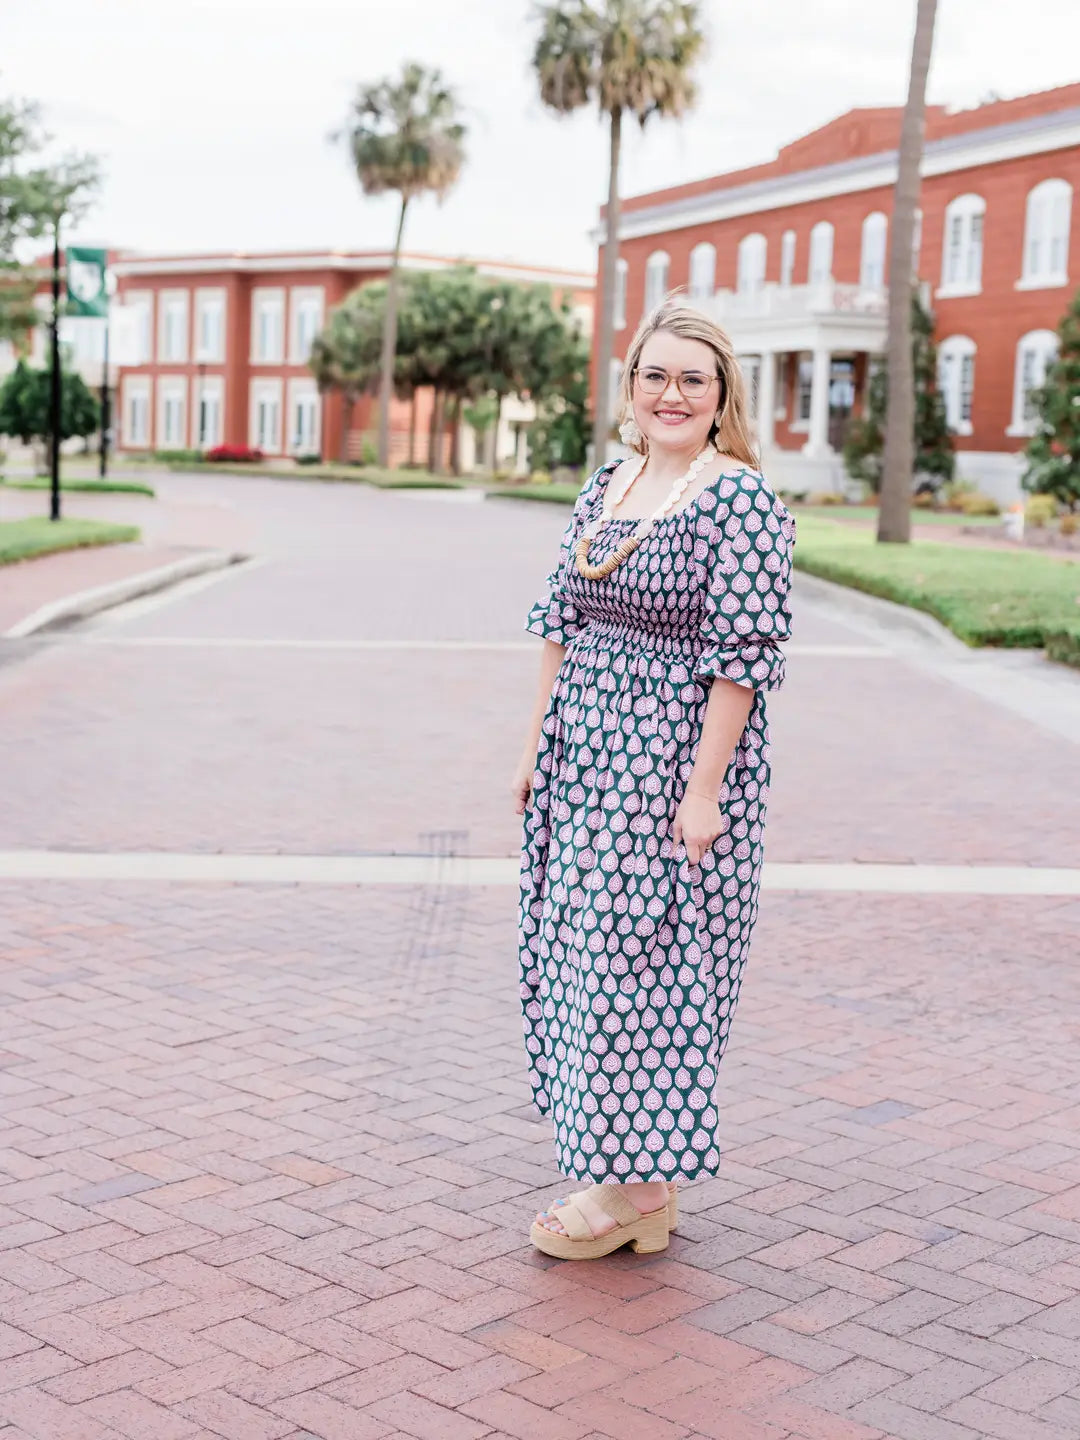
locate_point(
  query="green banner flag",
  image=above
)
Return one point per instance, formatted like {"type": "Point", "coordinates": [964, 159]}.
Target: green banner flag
{"type": "Point", "coordinates": [86, 291]}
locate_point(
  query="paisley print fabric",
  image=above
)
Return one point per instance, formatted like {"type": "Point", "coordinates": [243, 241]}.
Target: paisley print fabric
{"type": "Point", "coordinates": [631, 957]}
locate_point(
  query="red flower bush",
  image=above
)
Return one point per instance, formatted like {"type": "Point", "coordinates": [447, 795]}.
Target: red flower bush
{"type": "Point", "coordinates": [233, 454]}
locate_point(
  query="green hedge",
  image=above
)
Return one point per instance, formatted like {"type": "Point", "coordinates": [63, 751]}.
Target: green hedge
{"type": "Point", "coordinates": [985, 596]}
{"type": "Point", "coordinates": [1064, 645]}
{"type": "Point", "coordinates": [24, 539]}
{"type": "Point", "coordinates": [89, 487]}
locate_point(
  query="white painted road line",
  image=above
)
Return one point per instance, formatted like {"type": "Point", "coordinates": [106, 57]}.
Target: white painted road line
{"type": "Point", "coordinates": [160, 866]}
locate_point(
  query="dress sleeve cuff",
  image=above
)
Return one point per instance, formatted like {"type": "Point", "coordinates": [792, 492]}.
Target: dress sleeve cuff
{"type": "Point", "coordinates": [761, 665]}
{"type": "Point", "coordinates": [553, 619]}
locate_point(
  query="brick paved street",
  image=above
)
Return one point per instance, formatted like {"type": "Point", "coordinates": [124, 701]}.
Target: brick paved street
{"type": "Point", "coordinates": [266, 1153]}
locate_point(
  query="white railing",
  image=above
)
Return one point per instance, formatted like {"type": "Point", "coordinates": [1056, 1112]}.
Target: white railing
{"type": "Point", "coordinates": [796, 302]}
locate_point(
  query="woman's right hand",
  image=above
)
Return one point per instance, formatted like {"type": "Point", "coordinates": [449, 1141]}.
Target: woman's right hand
{"type": "Point", "coordinates": [521, 785]}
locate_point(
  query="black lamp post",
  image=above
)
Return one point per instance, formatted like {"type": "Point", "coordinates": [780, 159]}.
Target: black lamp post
{"type": "Point", "coordinates": [54, 390]}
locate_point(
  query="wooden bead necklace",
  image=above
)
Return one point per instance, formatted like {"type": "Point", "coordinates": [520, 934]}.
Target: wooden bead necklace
{"type": "Point", "coordinates": [625, 548]}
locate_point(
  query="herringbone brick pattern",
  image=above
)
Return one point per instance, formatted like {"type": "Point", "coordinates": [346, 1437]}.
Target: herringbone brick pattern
{"type": "Point", "coordinates": [267, 1163]}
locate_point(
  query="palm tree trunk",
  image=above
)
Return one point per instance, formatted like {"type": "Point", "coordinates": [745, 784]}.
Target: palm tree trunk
{"type": "Point", "coordinates": [348, 401]}
{"type": "Point", "coordinates": [389, 344]}
{"type": "Point", "coordinates": [412, 430]}
{"type": "Point", "coordinates": [606, 338]}
{"type": "Point", "coordinates": [898, 463]}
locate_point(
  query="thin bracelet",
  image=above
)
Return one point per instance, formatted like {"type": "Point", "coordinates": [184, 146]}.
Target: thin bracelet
{"type": "Point", "coordinates": [705, 794]}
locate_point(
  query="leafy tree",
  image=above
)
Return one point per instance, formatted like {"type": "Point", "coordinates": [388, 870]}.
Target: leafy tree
{"type": "Point", "coordinates": [894, 515]}
{"type": "Point", "coordinates": [24, 405]}
{"type": "Point", "coordinates": [34, 199]}
{"type": "Point", "coordinates": [404, 136]}
{"type": "Point", "coordinates": [932, 446]}
{"type": "Point", "coordinates": [1053, 454]}
{"type": "Point", "coordinates": [632, 57]}
{"type": "Point", "coordinates": [463, 336]}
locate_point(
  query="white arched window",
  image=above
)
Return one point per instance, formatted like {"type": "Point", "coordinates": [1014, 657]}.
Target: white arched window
{"type": "Point", "coordinates": [750, 276]}
{"type": "Point", "coordinates": [656, 278]}
{"type": "Point", "coordinates": [1046, 234]}
{"type": "Point", "coordinates": [621, 271]}
{"type": "Point", "coordinates": [962, 250]}
{"type": "Point", "coordinates": [956, 381]}
{"type": "Point", "coordinates": [1035, 353]}
{"type": "Point", "coordinates": [702, 271]}
{"type": "Point", "coordinates": [821, 247]}
{"type": "Point", "coordinates": [787, 258]}
{"type": "Point", "coordinates": [875, 231]}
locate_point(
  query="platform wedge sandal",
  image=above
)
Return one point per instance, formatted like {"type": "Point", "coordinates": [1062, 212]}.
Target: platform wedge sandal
{"type": "Point", "coordinates": [646, 1234]}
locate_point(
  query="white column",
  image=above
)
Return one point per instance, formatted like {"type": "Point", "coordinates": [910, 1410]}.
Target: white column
{"type": "Point", "coordinates": [818, 442]}
{"type": "Point", "coordinates": [766, 399]}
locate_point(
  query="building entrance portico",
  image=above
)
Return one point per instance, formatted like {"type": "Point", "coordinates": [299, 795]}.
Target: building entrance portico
{"type": "Point", "coordinates": [800, 347]}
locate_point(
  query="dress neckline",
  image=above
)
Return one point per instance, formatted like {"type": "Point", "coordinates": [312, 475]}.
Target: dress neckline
{"type": "Point", "coordinates": [609, 471]}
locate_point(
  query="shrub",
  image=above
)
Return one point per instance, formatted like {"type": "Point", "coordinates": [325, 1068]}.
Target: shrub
{"type": "Point", "coordinates": [1039, 511]}
{"type": "Point", "coordinates": [502, 477]}
{"type": "Point", "coordinates": [177, 457]}
{"type": "Point", "coordinates": [924, 500]}
{"type": "Point", "coordinates": [975, 503]}
{"type": "Point", "coordinates": [1063, 644]}
{"type": "Point", "coordinates": [1070, 523]}
{"type": "Point", "coordinates": [312, 459]}
{"type": "Point", "coordinates": [826, 497]}
{"type": "Point", "coordinates": [233, 455]}
{"type": "Point", "coordinates": [540, 477]}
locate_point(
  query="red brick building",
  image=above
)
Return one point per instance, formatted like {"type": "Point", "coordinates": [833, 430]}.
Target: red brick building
{"type": "Point", "coordinates": [213, 348]}
{"type": "Point", "coordinates": [791, 257]}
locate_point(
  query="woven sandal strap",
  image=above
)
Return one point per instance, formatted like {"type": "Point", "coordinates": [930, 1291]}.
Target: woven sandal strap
{"type": "Point", "coordinates": [573, 1222]}
{"type": "Point", "coordinates": [614, 1203]}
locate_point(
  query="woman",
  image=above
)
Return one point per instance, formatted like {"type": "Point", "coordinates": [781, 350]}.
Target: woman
{"type": "Point", "coordinates": [643, 784]}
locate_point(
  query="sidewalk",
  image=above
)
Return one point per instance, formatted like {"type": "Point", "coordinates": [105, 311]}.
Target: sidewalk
{"type": "Point", "coordinates": [267, 1156]}
{"type": "Point", "coordinates": [174, 527]}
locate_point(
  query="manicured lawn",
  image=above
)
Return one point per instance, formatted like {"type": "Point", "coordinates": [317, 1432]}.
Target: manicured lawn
{"type": "Point", "coordinates": [341, 474]}
{"type": "Point", "coordinates": [22, 539]}
{"type": "Point", "coordinates": [986, 597]}
{"type": "Point", "coordinates": [88, 487]}
{"type": "Point", "coordinates": [868, 514]}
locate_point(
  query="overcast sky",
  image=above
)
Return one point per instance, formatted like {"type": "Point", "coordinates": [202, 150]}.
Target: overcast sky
{"type": "Point", "coordinates": [212, 117]}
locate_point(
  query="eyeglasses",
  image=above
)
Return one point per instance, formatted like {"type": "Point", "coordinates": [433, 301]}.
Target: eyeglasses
{"type": "Point", "coordinates": [691, 384]}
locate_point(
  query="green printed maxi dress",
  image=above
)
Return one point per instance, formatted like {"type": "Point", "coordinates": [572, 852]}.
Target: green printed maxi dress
{"type": "Point", "coordinates": [631, 957]}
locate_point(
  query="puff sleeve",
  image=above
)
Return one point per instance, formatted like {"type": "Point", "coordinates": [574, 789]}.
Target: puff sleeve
{"type": "Point", "coordinates": [747, 614]}
{"type": "Point", "coordinates": [555, 615]}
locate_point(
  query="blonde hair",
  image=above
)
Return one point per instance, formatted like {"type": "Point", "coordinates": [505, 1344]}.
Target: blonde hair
{"type": "Point", "coordinates": [730, 430]}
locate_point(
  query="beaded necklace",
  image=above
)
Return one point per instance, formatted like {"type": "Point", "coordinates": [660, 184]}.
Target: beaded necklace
{"type": "Point", "coordinates": [625, 548]}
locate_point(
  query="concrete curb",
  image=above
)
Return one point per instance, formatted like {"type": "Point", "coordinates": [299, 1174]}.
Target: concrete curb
{"type": "Point", "coordinates": [102, 597]}
{"type": "Point", "coordinates": [900, 621]}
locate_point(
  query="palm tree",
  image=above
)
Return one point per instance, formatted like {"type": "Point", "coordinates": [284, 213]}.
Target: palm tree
{"type": "Point", "coordinates": [631, 56]}
{"type": "Point", "coordinates": [403, 135]}
{"type": "Point", "coordinates": [894, 514]}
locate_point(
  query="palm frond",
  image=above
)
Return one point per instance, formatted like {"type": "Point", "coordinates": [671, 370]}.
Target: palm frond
{"type": "Point", "coordinates": [404, 135]}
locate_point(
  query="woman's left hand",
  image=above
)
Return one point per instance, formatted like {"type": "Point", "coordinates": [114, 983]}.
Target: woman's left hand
{"type": "Point", "coordinates": [698, 823]}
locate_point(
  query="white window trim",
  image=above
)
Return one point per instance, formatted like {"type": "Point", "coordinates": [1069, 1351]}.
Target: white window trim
{"type": "Point", "coordinates": [143, 301]}
{"type": "Point", "coordinates": [266, 388]}
{"type": "Point", "coordinates": [622, 277]}
{"type": "Point", "coordinates": [958, 346]}
{"type": "Point", "coordinates": [822, 228]}
{"type": "Point", "coordinates": [780, 407]}
{"type": "Point", "coordinates": [297, 390]}
{"type": "Point", "coordinates": [259, 297]}
{"type": "Point", "coordinates": [1046, 279]}
{"type": "Point", "coordinates": [297, 296]}
{"type": "Point", "coordinates": [966, 206]}
{"type": "Point", "coordinates": [164, 299]}
{"type": "Point", "coordinates": [169, 387]}
{"type": "Point", "coordinates": [135, 386]}
{"type": "Point", "coordinates": [706, 249]}
{"type": "Point", "coordinates": [207, 385]}
{"type": "Point", "coordinates": [874, 245]}
{"type": "Point", "coordinates": [658, 261]}
{"type": "Point", "coordinates": [217, 295]}
{"type": "Point", "coordinates": [797, 426]}
{"type": "Point", "coordinates": [1047, 341]}
{"type": "Point", "coordinates": [789, 246]}
{"type": "Point", "coordinates": [753, 251]}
